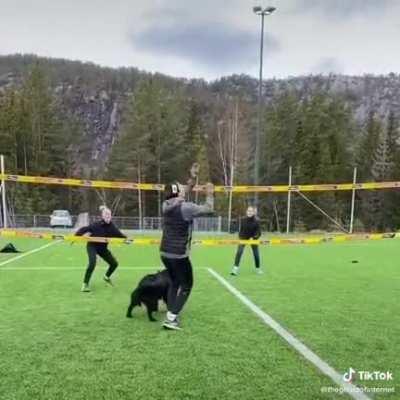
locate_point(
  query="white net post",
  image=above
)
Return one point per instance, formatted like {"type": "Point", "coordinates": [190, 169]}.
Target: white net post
{"type": "Point", "coordinates": [353, 198]}
{"type": "Point", "coordinates": [140, 211]}
{"type": "Point", "coordinates": [3, 192]}
{"type": "Point", "coordinates": [288, 202]}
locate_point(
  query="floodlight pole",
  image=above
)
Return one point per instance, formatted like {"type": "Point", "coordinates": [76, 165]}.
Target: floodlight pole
{"type": "Point", "coordinates": [233, 150]}
{"type": "Point", "coordinates": [353, 198]}
{"type": "Point", "coordinates": [261, 12]}
{"type": "Point", "coordinates": [3, 191]}
{"type": "Point", "coordinates": [258, 134]}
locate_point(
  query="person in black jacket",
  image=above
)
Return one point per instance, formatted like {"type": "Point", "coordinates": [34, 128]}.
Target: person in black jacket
{"type": "Point", "coordinates": [249, 229]}
{"type": "Point", "coordinates": [102, 228]}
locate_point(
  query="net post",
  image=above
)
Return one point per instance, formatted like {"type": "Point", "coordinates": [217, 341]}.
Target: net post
{"type": "Point", "coordinates": [140, 211]}
{"type": "Point", "coordinates": [353, 198]}
{"type": "Point", "coordinates": [230, 211]}
{"type": "Point", "coordinates": [289, 202]}
{"type": "Point", "coordinates": [3, 192]}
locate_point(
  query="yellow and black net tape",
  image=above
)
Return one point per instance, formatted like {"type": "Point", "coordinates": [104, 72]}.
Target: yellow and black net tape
{"type": "Point", "coordinates": [221, 189]}
{"type": "Point", "coordinates": [12, 233]}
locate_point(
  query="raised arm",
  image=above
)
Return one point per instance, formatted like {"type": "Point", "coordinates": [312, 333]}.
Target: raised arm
{"type": "Point", "coordinates": [191, 210]}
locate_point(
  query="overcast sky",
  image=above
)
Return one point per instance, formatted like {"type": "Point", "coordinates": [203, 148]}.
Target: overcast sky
{"type": "Point", "coordinates": [209, 38]}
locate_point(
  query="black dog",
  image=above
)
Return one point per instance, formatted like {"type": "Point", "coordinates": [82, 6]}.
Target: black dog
{"type": "Point", "coordinates": [150, 289]}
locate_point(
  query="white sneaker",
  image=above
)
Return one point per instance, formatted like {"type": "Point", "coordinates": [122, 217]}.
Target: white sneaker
{"type": "Point", "coordinates": [235, 271]}
{"type": "Point", "coordinates": [259, 271]}
{"type": "Point", "coordinates": [85, 288]}
{"type": "Point", "coordinates": [172, 325]}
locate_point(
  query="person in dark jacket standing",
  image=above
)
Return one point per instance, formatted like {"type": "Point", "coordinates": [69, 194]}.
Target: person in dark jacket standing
{"type": "Point", "coordinates": [102, 228]}
{"type": "Point", "coordinates": [249, 229]}
{"type": "Point", "coordinates": [178, 216]}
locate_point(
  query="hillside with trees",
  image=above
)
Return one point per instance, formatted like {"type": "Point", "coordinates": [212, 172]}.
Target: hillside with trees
{"type": "Point", "coordinates": [72, 119]}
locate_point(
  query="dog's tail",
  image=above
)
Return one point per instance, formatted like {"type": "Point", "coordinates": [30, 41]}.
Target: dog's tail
{"type": "Point", "coordinates": [135, 301]}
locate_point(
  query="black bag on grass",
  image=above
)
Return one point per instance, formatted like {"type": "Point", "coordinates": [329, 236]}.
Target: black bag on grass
{"type": "Point", "coordinates": [9, 248]}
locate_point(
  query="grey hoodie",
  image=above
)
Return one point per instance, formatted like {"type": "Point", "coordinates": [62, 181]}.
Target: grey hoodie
{"type": "Point", "coordinates": [189, 211]}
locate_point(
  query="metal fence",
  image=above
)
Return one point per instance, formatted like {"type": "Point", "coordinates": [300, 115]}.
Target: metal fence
{"type": "Point", "coordinates": [212, 224]}
{"type": "Point", "coordinates": [205, 224]}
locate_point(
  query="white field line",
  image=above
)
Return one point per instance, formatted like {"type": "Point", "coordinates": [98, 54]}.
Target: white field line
{"type": "Point", "coordinates": [28, 253]}
{"type": "Point", "coordinates": [308, 354]}
{"type": "Point", "coordinates": [50, 268]}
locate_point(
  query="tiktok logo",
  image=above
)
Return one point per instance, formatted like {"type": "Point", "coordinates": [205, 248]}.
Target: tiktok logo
{"type": "Point", "coordinates": [350, 375]}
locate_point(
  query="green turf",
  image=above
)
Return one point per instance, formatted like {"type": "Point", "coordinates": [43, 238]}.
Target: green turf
{"type": "Point", "coordinates": [58, 343]}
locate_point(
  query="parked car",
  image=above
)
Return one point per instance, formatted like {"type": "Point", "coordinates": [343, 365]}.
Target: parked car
{"type": "Point", "coordinates": [61, 218]}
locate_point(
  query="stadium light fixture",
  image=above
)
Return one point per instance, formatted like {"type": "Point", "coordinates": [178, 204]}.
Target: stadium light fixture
{"type": "Point", "coordinates": [266, 11]}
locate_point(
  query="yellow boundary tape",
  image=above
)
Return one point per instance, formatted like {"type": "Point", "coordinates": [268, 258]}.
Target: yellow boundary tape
{"type": "Point", "coordinates": [9, 233]}
{"type": "Point", "coordinates": [234, 189]}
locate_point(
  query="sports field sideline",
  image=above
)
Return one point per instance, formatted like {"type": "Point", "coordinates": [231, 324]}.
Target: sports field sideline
{"type": "Point", "coordinates": [59, 343]}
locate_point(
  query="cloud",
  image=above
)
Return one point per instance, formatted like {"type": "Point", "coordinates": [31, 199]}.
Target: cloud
{"type": "Point", "coordinates": [328, 65]}
{"type": "Point", "coordinates": [210, 44]}
{"type": "Point", "coordinates": [212, 38]}
{"type": "Point", "coordinates": [344, 8]}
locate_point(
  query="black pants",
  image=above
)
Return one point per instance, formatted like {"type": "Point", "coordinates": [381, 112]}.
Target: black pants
{"type": "Point", "coordinates": [180, 270]}
{"type": "Point", "coordinates": [239, 254]}
{"type": "Point", "coordinates": [105, 254]}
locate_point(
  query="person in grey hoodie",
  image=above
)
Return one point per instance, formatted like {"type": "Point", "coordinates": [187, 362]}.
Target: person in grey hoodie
{"type": "Point", "coordinates": [178, 216]}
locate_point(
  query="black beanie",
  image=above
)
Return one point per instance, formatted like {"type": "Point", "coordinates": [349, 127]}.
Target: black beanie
{"type": "Point", "coordinates": [171, 190]}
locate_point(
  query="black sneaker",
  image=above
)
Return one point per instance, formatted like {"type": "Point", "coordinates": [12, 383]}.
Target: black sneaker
{"type": "Point", "coordinates": [172, 325]}
{"type": "Point", "coordinates": [107, 280]}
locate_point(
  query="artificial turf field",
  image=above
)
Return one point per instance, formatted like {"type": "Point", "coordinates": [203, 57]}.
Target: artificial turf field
{"type": "Point", "coordinates": [59, 343]}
